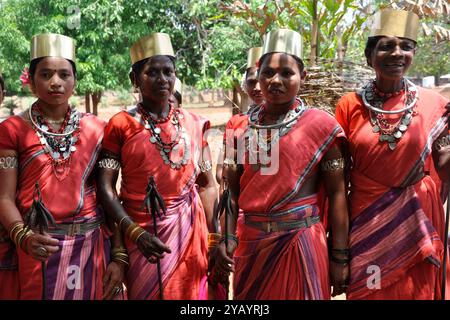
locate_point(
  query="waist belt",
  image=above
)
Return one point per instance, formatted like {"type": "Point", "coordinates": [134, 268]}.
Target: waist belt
{"type": "Point", "coordinates": [75, 228]}
{"type": "Point", "coordinates": [276, 226]}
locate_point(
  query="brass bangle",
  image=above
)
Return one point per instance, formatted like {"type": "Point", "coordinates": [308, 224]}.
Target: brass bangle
{"type": "Point", "coordinates": [118, 250]}
{"type": "Point", "coordinates": [140, 234]}
{"type": "Point", "coordinates": [118, 260]}
{"type": "Point", "coordinates": [131, 228]}
{"type": "Point", "coordinates": [120, 222]}
{"type": "Point", "coordinates": [15, 226]}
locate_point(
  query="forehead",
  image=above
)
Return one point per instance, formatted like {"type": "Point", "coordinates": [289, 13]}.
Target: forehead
{"type": "Point", "coordinates": [394, 40]}
{"type": "Point", "coordinates": [159, 62]}
{"type": "Point", "coordinates": [279, 60]}
{"type": "Point", "coordinates": [54, 63]}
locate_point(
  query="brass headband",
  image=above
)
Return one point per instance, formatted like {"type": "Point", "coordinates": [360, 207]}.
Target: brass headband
{"type": "Point", "coordinates": [395, 23]}
{"type": "Point", "coordinates": [283, 40]}
{"type": "Point", "coordinates": [156, 44]}
{"type": "Point", "coordinates": [52, 45]}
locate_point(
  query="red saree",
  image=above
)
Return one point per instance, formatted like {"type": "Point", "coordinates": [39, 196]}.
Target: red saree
{"type": "Point", "coordinates": [397, 217]}
{"type": "Point", "coordinates": [184, 227]}
{"type": "Point", "coordinates": [291, 264]}
{"type": "Point", "coordinates": [76, 270]}
{"type": "Point", "coordinates": [9, 278]}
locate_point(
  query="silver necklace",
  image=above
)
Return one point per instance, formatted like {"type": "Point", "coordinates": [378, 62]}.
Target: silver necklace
{"type": "Point", "coordinates": [390, 133]}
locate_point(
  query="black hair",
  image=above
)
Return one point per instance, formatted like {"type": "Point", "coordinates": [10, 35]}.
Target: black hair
{"type": "Point", "coordinates": [2, 83]}
{"type": "Point", "coordinates": [370, 46]}
{"type": "Point", "coordinates": [138, 66]}
{"type": "Point", "coordinates": [299, 61]}
{"type": "Point", "coordinates": [34, 63]}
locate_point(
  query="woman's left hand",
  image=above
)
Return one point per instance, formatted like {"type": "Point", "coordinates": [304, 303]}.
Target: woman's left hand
{"type": "Point", "coordinates": [339, 274]}
{"type": "Point", "coordinates": [113, 280]}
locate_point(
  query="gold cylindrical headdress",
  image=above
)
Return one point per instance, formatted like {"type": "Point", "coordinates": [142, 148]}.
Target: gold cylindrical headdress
{"type": "Point", "coordinates": [156, 44]}
{"type": "Point", "coordinates": [396, 23]}
{"type": "Point", "coordinates": [52, 45]}
{"type": "Point", "coordinates": [283, 40]}
{"type": "Point", "coordinates": [253, 56]}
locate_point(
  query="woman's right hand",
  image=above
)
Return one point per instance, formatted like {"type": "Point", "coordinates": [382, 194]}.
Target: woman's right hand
{"type": "Point", "coordinates": [223, 261]}
{"type": "Point", "coordinates": [41, 246]}
{"type": "Point", "coordinates": [151, 247]}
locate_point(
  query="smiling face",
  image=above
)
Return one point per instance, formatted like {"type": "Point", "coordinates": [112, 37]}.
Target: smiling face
{"type": "Point", "coordinates": [156, 79]}
{"type": "Point", "coordinates": [391, 57]}
{"type": "Point", "coordinates": [280, 78]}
{"type": "Point", "coordinates": [53, 81]}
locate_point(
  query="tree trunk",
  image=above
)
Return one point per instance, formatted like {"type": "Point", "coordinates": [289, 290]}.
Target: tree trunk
{"type": "Point", "coordinates": [314, 37]}
{"type": "Point", "coordinates": [87, 102]}
{"type": "Point", "coordinates": [96, 97]}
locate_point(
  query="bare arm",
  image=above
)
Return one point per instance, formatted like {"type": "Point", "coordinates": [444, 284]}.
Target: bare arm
{"type": "Point", "coordinates": [332, 167]}
{"type": "Point", "coordinates": [150, 246]}
{"type": "Point", "coordinates": [208, 191]}
{"type": "Point", "coordinates": [231, 179]}
{"type": "Point", "coordinates": [40, 247]}
{"type": "Point", "coordinates": [441, 155]}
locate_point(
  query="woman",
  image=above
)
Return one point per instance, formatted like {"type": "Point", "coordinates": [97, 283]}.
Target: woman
{"type": "Point", "coordinates": [49, 152]}
{"type": "Point", "coordinates": [275, 176]}
{"type": "Point", "coordinates": [392, 127]}
{"type": "Point", "coordinates": [251, 87]}
{"type": "Point", "coordinates": [156, 142]}
{"type": "Point", "coordinates": [9, 290]}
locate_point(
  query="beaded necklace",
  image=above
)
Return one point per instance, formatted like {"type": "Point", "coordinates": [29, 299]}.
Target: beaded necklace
{"type": "Point", "coordinates": [258, 133]}
{"type": "Point", "coordinates": [373, 100]}
{"type": "Point", "coordinates": [59, 145]}
{"type": "Point", "coordinates": [166, 148]}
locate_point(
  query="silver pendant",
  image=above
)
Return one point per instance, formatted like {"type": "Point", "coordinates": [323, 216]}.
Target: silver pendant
{"type": "Point", "coordinates": [162, 153]}
{"type": "Point", "coordinates": [152, 139]}
{"type": "Point", "coordinates": [73, 148]}
{"type": "Point", "coordinates": [44, 127]}
{"type": "Point", "coordinates": [390, 138]}
{"type": "Point", "coordinates": [172, 165]}
{"type": "Point", "coordinates": [402, 127]}
{"type": "Point", "coordinates": [384, 137]}
{"type": "Point", "coordinates": [147, 126]}
{"type": "Point", "coordinates": [55, 155]}
{"type": "Point", "coordinates": [166, 161]}
{"type": "Point", "coordinates": [42, 140]}
{"type": "Point", "coordinates": [376, 129]}
{"type": "Point", "coordinates": [157, 130]}
{"type": "Point", "coordinates": [62, 149]}
{"type": "Point", "coordinates": [392, 145]}
{"type": "Point", "coordinates": [398, 134]}
{"type": "Point", "coordinates": [180, 116]}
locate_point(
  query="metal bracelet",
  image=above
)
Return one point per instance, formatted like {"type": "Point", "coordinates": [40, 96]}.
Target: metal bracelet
{"type": "Point", "coordinates": [333, 165]}
{"type": "Point", "coordinates": [205, 166]}
{"type": "Point", "coordinates": [109, 163]}
{"type": "Point", "coordinates": [441, 143]}
{"type": "Point", "coordinates": [9, 163]}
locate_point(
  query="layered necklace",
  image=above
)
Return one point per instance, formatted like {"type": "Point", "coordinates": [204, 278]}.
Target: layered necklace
{"type": "Point", "coordinates": [165, 148]}
{"type": "Point", "coordinates": [373, 100]}
{"type": "Point", "coordinates": [258, 133]}
{"type": "Point", "coordinates": [59, 145]}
